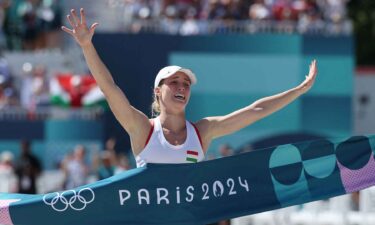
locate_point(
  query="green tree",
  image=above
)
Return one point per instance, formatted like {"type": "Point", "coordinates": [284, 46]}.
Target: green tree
{"type": "Point", "coordinates": [362, 13]}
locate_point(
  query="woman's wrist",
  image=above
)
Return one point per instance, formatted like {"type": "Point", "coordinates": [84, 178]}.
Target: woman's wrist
{"type": "Point", "coordinates": [300, 90]}
{"type": "Point", "coordinates": [86, 45]}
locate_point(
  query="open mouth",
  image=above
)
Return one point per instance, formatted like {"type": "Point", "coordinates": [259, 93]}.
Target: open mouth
{"type": "Point", "coordinates": [180, 97]}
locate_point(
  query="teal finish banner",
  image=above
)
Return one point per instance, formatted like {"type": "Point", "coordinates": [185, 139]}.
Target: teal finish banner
{"type": "Point", "coordinates": [206, 192]}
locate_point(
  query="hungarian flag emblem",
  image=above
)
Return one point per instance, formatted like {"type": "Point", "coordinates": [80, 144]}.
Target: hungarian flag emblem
{"type": "Point", "coordinates": [76, 91]}
{"type": "Point", "coordinates": [191, 156]}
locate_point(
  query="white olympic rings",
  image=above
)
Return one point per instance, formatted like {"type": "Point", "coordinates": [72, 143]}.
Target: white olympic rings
{"type": "Point", "coordinates": [64, 202]}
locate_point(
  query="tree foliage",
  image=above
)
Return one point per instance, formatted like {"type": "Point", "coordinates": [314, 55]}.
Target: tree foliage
{"type": "Point", "coordinates": [362, 13]}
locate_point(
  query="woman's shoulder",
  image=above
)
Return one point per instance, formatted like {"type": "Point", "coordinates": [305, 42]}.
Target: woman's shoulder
{"type": "Point", "coordinates": [202, 123]}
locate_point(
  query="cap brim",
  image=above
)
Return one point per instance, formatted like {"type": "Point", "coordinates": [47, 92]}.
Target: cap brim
{"type": "Point", "coordinates": [190, 74]}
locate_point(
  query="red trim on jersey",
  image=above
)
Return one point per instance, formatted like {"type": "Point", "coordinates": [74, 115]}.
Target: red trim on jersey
{"type": "Point", "coordinates": [151, 131]}
{"type": "Point", "coordinates": [199, 135]}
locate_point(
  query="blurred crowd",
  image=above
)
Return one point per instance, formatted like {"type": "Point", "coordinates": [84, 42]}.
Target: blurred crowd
{"type": "Point", "coordinates": [29, 92]}
{"type": "Point", "coordinates": [305, 15]}
{"type": "Point", "coordinates": [34, 88]}
{"type": "Point", "coordinates": [27, 25]}
{"type": "Point", "coordinates": [35, 24]}
{"type": "Point", "coordinates": [327, 10]}
{"type": "Point", "coordinates": [78, 167]}
{"type": "Point", "coordinates": [78, 170]}
{"type": "Point", "coordinates": [30, 24]}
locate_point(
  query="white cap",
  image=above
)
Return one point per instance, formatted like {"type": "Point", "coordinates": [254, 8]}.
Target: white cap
{"type": "Point", "coordinates": [6, 156]}
{"type": "Point", "coordinates": [170, 70]}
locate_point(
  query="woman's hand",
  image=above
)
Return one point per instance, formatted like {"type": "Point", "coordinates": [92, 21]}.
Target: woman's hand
{"type": "Point", "coordinates": [310, 78]}
{"type": "Point", "coordinates": [81, 33]}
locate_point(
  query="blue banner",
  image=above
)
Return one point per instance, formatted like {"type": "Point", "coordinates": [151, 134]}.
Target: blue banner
{"type": "Point", "coordinates": [206, 192]}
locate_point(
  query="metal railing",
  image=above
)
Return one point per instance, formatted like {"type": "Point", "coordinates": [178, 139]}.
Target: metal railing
{"type": "Point", "coordinates": [57, 113]}
{"type": "Point", "coordinates": [198, 27]}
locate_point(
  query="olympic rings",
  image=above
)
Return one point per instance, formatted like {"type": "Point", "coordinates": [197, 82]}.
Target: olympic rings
{"type": "Point", "coordinates": [66, 202]}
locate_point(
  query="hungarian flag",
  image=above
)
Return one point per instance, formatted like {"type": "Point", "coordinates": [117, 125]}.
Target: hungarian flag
{"type": "Point", "coordinates": [70, 90]}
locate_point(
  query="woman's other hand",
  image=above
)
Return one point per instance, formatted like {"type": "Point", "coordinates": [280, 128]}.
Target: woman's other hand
{"type": "Point", "coordinates": [310, 78]}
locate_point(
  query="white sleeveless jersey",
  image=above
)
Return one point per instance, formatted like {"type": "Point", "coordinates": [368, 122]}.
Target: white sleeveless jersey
{"type": "Point", "coordinates": [159, 150]}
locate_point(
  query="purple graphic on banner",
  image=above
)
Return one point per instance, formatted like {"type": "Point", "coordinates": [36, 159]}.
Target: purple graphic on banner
{"type": "Point", "coordinates": [4, 211]}
{"type": "Point", "coordinates": [355, 180]}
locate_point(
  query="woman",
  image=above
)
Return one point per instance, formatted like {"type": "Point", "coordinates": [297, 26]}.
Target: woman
{"type": "Point", "coordinates": [169, 138]}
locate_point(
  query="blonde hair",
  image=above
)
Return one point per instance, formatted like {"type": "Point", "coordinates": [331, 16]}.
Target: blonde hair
{"type": "Point", "coordinates": [155, 106]}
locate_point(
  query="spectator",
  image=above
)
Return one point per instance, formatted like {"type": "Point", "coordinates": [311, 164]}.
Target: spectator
{"type": "Point", "coordinates": [4, 4]}
{"type": "Point", "coordinates": [8, 177]}
{"type": "Point", "coordinates": [50, 16]}
{"type": "Point", "coordinates": [75, 168]}
{"type": "Point", "coordinates": [142, 9]}
{"type": "Point", "coordinates": [28, 169]}
{"type": "Point", "coordinates": [107, 168]}
{"type": "Point", "coordinates": [170, 23]}
{"type": "Point", "coordinates": [190, 26]}
{"type": "Point", "coordinates": [4, 96]}
{"type": "Point", "coordinates": [8, 94]}
{"type": "Point", "coordinates": [334, 10]}
{"type": "Point", "coordinates": [77, 91]}
{"type": "Point", "coordinates": [284, 10]}
{"type": "Point", "coordinates": [259, 11]}
{"type": "Point", "coordinates": [181, 7]}
{"type": "Point", "coordinates": [4, 68]}
{"type": "Point", "coordinates": [225, 150]}
{"type": "Point", "coordinates": [122, 164]}
{"type": "Point", "coordinates": [31, 24]}
{"type": "Point", "coordinates": [13, 25]}
{"type": "Point", "coordinates": [35, 87]}
{"type": "Point", "coordinates": [40, 86]}
{"type": "Point", "coordinates": [26, 85]}
{"type": "Point", "coordinates": [110, 146]}
{"type": "Point", "coordinates": [311, 21]}
{"type": "Point", "coordinates": [219, 9]}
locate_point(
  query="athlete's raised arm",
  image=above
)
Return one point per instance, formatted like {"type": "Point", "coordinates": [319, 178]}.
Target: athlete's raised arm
{"type": "Point", "coordinates": [134, 122]}
{"type": "Point", "coordinates": [213, 127]}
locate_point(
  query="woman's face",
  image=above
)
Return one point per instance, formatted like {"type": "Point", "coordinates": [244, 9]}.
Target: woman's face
{"type": "Point", "coordinates": [174, 93]}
